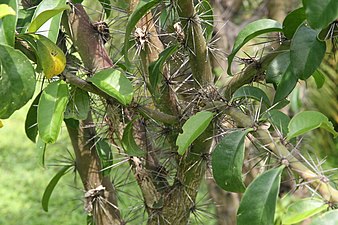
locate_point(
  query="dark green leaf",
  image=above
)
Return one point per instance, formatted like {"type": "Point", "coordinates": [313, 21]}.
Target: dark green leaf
{"type": "Point", "coordinates": [303, 209]}
{"type": "Point", "coordinates": [279, 120]}
{"type": "Point", "coordinates": [277, 68]}
{"type": "Point", "coordinates": [328, 218]}
{"type": "Point", "coordinates": [306, 52]}
{"type": "Point", "coordinates": [155, 68]}
{"type": "Point", "coordinates": [251, 92]}
{"type": "Point", "coordinates": [8, 24]}
{"type": "Point", "coordinates": [31, 123]}
{"type": "Point", "coordinates": [319, 78]}
{"type": "Point", "coordinates": [115, 84]}
{"type": "Point", "coordinates": [78, 105]}
{"type": "Point", "coordinates": [106, 156]}
{"type": "Point", "coordinates": [52, 105]}
{"type": "Point", "coordinates": [51, 185]}
{"type": "Point", "coordinates": [227, 161]}
{"type": "Point", "coordinates": [17, 80]}
{"type": "Point", "coordinates": [49, 29]}
{"type": "Point", "coordinates": [292, 21]}
{"type": "Point", "coordinates": [309, 120]}
{"type": "Point", "coordinates": [258, 204]}
{"type": "Point", "coordinates": [128, 142]}
{"type": "Point", "coordinates": [251, 31]}
{"type": "Point", "coordinates": [320, 13]}
{"type": "Point", "coordinates": [193, 128]}
{"type": "Point", "coordinates": [286, 85]}
{"type": "Point", "coordinates": [138, 13]}
{"type": "Point", "coordinates": [206, 15]}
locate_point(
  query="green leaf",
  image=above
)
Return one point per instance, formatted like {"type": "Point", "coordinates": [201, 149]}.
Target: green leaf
{"type": "Point", "coordinates": [44, 16]}
{"type": "Point", "coordinates": [279, 73]}
{"type": "Point", "coordinates": [31, 123]}
{"type": "Point", "coordinates": [115, 84]}
{"type": "Point", "coordinates": [51, 185]}
{"type": "Point", "coordinates": [251, 31]}
{"type": "Point", "coordinates": [17, 80]}
{"type": "Point", "coordinates": [320, 13]}
{"type": "Point", "coordinates": [128, 142]}
{"type": "Point", "coordinates": [78, 105]}
{"type": "Point", "coordinates": [309, 120]}
{"type": "Point", "coordinates": [138, 13]}
{"type": "Point", "coordinates": [8, 23]}
{"type": "Point", "coordinates": [277, 68]}
{"type": "Point", "coordinates": [279, 120]}
{"type": "Point", "coordinates": [306, 52]}
{"type": "Point", "coordinates": [303, 209]}
{"type": "Point", "coordinates": [41, 149]}
{"type": "Point", "coordinates": [193, 128]}
{"type": "Point", "coordinates": [106, 156]}
{"type": "Point", "coordinates": [292, 21]}
{"type": "Point", "coordinates": [155, 68]}
{"type": "Point", "coordinates": [6, 10]}
{"type": "Point", "coordinates": [52, 105]}
{"type": "Point", "coordinates": [227, 161]}
{"type": "Point", "coordinates": [319, 78]}
{"type": "Point", "coordinates": [49, 29]}
{"type": "Point", "coordinates": [206, 15]}
{"type": "Point", "coordinates": [258, 204]}
{"type": "Point", "coordinates": [251, 92]}
{"type": "Point", "coordinates": [328, 218]}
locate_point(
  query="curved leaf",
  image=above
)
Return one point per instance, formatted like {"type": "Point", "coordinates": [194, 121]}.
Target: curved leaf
{"type": "Point", "coordinates": [292, 21]}
{"type": "Point", "coordinates": [106, 156]}
{"type": "Point", "coordinates": [306, 52]}
{"type": "Point", "coordinates": [300, 210]}
{"type": "Point", "coordinates": [52, 104]}
{"type": "Point", "coordinates": [31, 123]}
{"type": "Point", "coordinates": [155, 68]}
{"type": "Point", "coordinates": [309, 120]}
{"type": "Point", "coordinates": [251, 92]}
{"type": "Point", "coordinates": [193, 128]}
{"type": "Point", "coordinates": [279, 73]}
{"type": "Point", "coordinates": [41, 149]}
{"type": "Point", "coordinates": [251, 31]}
{"type": "Point", "coordinates": [8, 23]}
{"type": "Point", "coordinates": [328, 218]}
{"type": "Point", "coordinates": [139, 12]}
{"type": "Point", "coordinates": [49, 29]}
{"type": "Point", "coordinates": [279, 120]}
{"type": "Point", "coordinates": [6, 10]}
{"type": "Point", "coordinates": [320, 13]}
{"type": "Point", "coordinates": [206, 15]}
{"type": "Point", "coordinates": [51, 185]}
{"type": "Point", "coordinates": [128, 142]}
{"type": "Point", "coordinates": [17, 80]}
{"type": "Point", "coordinates": [115, 84]}
{"type": "Point", "coordinates": [319, 78]}
{"type": "Point", "coordinates": [258, 204]}
{"type": "Point", "coordinates": [227, 161]}
{"type": "Point", "coordinates": [78, 105]}
{"type": "Point", "coordinates": [44, 16]}
{"type": "Point", "coordinates": [51, 58]}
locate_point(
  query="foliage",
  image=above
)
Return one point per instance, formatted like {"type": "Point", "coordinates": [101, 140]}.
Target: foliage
{"type": "Point", "coordinates": [163, 112]}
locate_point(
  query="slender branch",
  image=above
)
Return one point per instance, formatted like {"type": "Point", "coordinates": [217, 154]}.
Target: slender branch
{"type": "Point", "coordinates": [318, 181]}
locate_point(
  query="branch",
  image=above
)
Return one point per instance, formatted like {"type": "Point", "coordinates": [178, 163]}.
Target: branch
{"type": "Point", "coordinates": [317, 181]}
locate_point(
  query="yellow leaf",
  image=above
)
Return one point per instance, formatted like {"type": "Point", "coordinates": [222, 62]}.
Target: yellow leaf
{"type": "Point", "coordinates": [1, 124]}
{"type": "Point", "coordinates": [6, 10]}
{"type": "Point", "coordinates": [51, 57]}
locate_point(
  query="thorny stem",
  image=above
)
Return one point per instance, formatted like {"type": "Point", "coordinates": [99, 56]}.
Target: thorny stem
{"type": "Point", "coordinates": [317, 181]}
